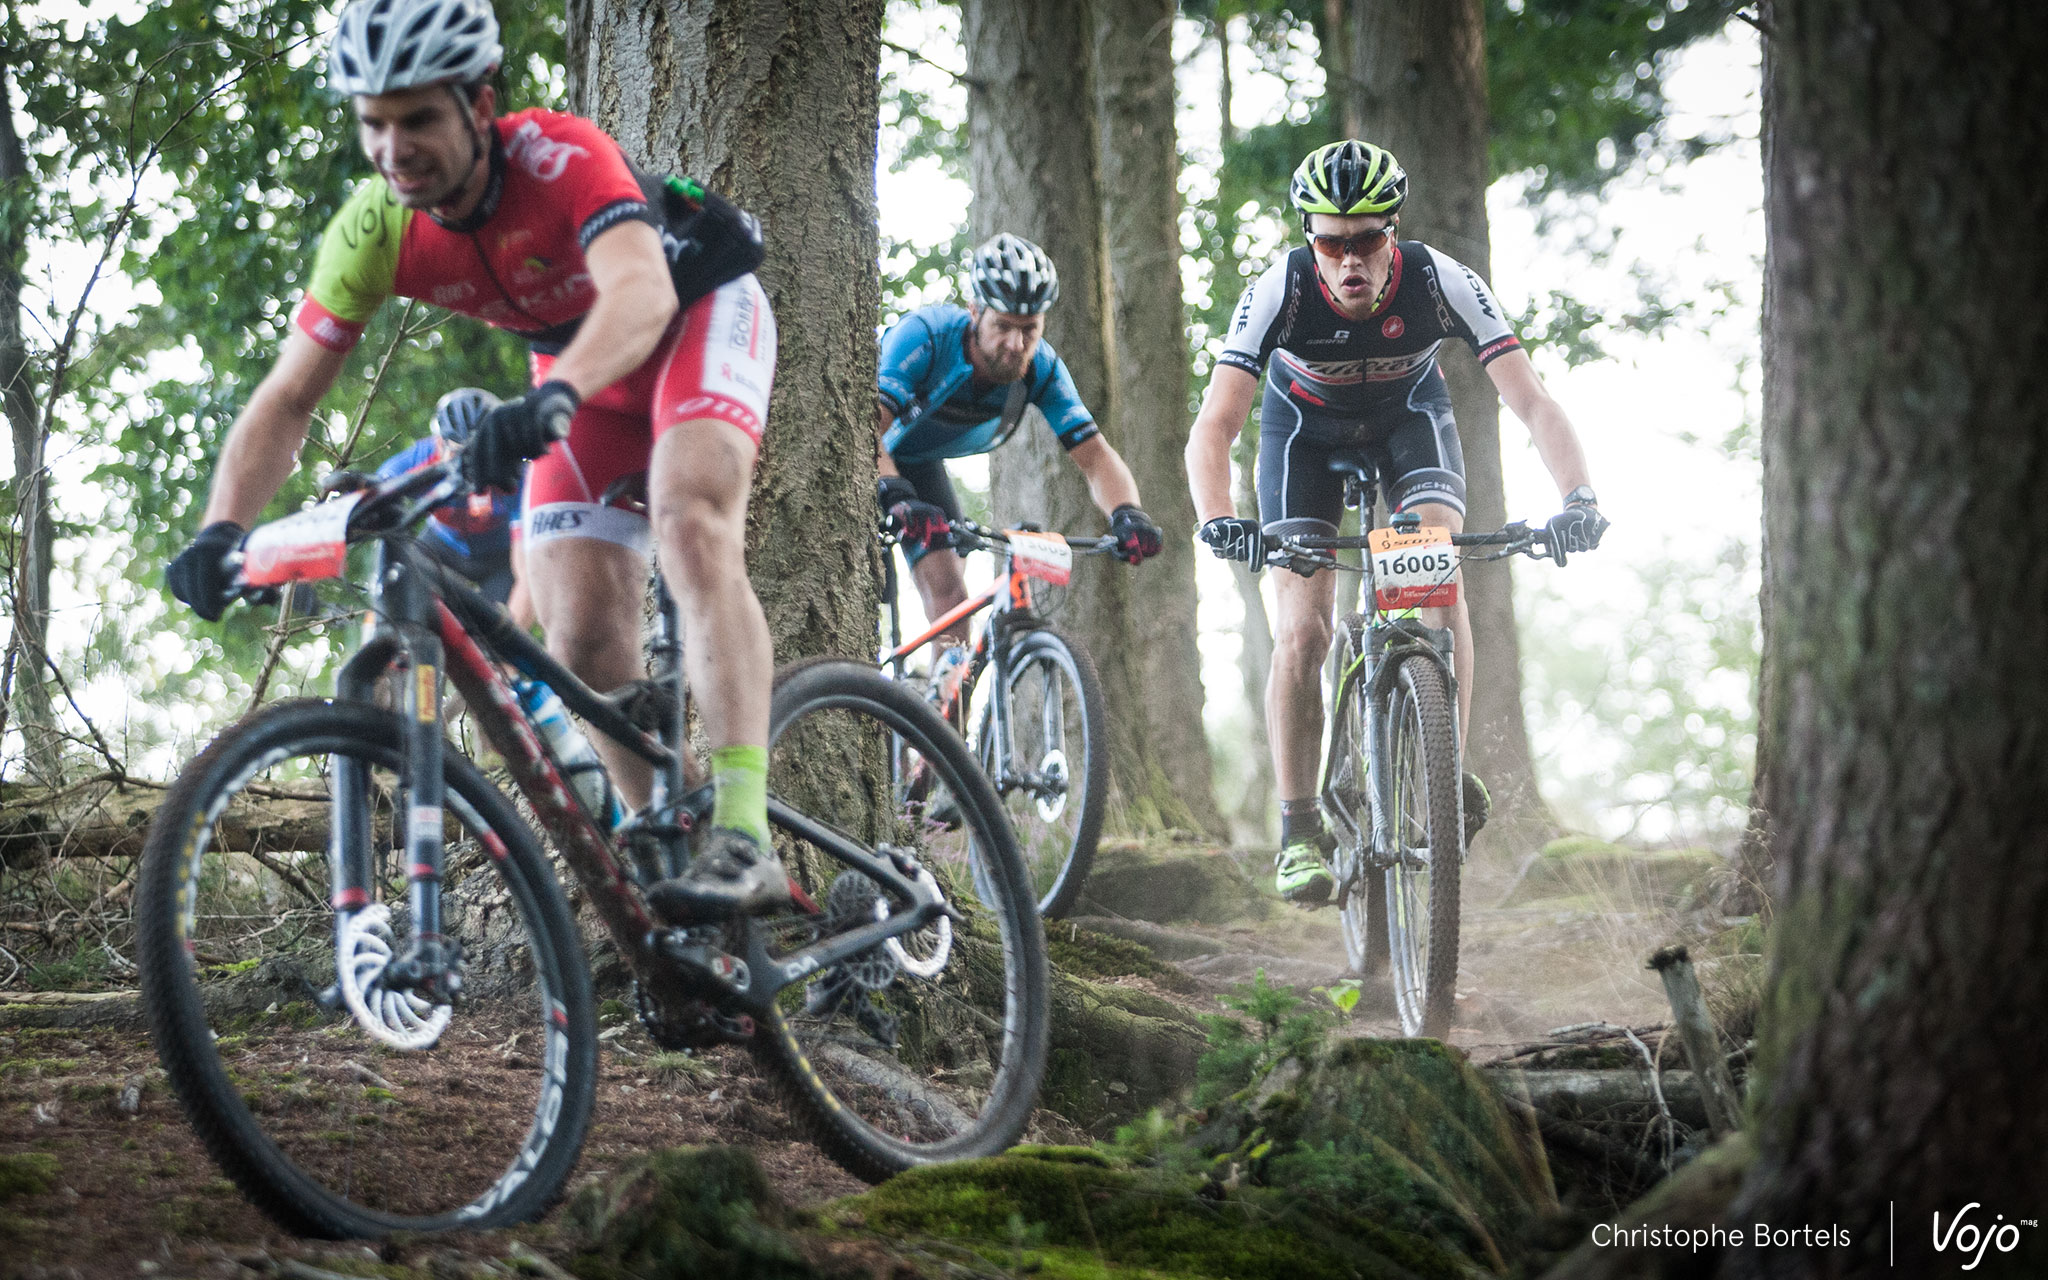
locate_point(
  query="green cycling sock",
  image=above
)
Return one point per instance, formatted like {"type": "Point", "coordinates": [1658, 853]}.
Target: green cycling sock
{"type": "Point", "coordinates": [739, 776]}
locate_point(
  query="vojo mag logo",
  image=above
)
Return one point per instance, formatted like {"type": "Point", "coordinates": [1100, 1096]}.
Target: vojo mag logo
{"type": "Point", "coordinates": [1960, 1235]}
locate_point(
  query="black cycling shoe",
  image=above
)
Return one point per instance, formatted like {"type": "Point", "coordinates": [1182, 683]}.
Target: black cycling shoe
{"type": "Point", "coordinates": [732, 875]}
{"type": "Point", "coordinates": [1478, 806]}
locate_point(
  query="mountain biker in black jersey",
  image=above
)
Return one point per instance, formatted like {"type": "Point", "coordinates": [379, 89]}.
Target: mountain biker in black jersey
{"type": "Point", "coordinates": [954, 382]}
{"type": "Point", "coordinates": [536, 222]}
{"type": "Point", "coordinates": [1346, 330]}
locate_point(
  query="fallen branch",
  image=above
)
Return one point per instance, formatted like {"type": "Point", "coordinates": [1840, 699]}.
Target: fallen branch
{"type": "Point", "coordinates": [1702, 1043]}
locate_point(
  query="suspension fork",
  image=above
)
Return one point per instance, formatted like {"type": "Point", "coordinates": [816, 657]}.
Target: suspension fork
{"type": "Point", "coordinates": [401, 595]}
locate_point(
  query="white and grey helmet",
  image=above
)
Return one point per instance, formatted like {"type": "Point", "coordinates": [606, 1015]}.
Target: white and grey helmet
{"type": "Point", "coordinates": [1009, 273]}
{"type": "Point", "coordinates": [383, 46]}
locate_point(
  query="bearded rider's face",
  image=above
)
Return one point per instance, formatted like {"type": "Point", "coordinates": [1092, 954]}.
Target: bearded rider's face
{"type": "Point", "coordinates": [1003, 344]}
{"type": "Point", "coordinates": [425, 141]}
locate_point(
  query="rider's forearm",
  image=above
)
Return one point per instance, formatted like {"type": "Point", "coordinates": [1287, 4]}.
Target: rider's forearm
{"type": "Point", "coordinates": [1208, 461]}
{"type": "Point", "coordinates": [259, 455]}
{"type": "Point", "coordinates": [618, 335]}
{"type": "Point", "coordinates": [1558, 446]}
{"type": "Point", "coordinates": [1110, 481]}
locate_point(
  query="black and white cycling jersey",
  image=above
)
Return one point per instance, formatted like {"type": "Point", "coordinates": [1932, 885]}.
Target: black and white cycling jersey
{"type": "Point", "coordinates": [1340, 365]}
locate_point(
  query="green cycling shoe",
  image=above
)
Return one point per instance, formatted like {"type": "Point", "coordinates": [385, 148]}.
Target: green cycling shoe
{"type": "Point", "coordinates": [1301, 875]}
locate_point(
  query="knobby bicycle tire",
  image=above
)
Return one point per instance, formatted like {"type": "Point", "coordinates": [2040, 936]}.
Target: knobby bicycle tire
{"type": "Point", "coordinates": [1057, 854]}
{"type": "Point", "coordinates": [329, 1132]}
{"type": "Point", "coordinates": [884, 1068]}
{"type": "Point", "coordinates": [1422, 918]}
{"type": "Point", "coordinates": [1362, 917]}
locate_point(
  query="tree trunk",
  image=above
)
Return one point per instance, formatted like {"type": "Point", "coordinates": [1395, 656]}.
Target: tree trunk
{"type": "Point", "coordinates": [1033, 149]}
{"type": "Point", "coordinates": [1902, 1041]}
{"type": "Point", "coordinates": [1418, 88]}
{"type": "Point", "coordinates": [776, 105]}
{"type": "Point", "coordinates": [33, 531]}
{"type": "Point", "coordinates": [1141, 211]}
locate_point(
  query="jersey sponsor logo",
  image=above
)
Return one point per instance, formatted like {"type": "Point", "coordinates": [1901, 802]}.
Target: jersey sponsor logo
{"type": "Point", "coordinates": [530, 270]}
{"type": "Point", "coordinates": [743, 317]}
{"type": "Point", "coordinates": [1479, 294]}
{"type": "Point", "coordinates": [575, 286]}
{"type": "Point", "coordinates": [516, 236]}
{"type": "Point", "coordinates": [1342, 335]}
{"type": "Point", "coordinates": [1492, 349]}
{"type": "Point", "coordinates": [1436, 296]}
{"type": "Point", "coordinates": [447, 295]}
{"type": "Point", "coordinates": [1393, 327]}
{"type": "Point", "coordinates": [329, 332]}
{"type": "Point", "coordinates": [538, 154]}
{"type": "Point", "coordinates": [719, 407]}
{"type": "Point", "coordinates": [1383, 369]}
{"type": "Point", "coordinates": [543, 523]}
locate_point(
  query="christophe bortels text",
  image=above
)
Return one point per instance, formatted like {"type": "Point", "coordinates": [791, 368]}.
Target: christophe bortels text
{"type": "Point", "coordinates": [1608, 1236]}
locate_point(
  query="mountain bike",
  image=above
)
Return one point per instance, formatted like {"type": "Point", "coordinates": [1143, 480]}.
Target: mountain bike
{"type": "Point", "coordinates": [1392, 790]}
{"type": "Point", "coordinates": [367, 986]}
{"type": "Point", "coordinates": [1041, 731]}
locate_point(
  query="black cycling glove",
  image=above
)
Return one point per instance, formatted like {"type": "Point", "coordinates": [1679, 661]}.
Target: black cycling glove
{"type": "Point", "coordinates": [917, 522]}
{"type": "Point", "coordinates": [1137, 538]}
{"type": "Point", "coordinates": [1579, 526]}
{"type": "Point", "coordinates": [516, 431]}
{"type": "Point", "coordinates": [1236, 538]}
{"type": "Point", "coordinates": [200, 575]}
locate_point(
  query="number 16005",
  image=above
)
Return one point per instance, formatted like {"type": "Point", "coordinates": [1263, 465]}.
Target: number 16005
{"type": "Point", "coordinates": [1403, 566]}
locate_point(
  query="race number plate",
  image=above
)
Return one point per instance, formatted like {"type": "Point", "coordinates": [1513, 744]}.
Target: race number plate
{"type": "Point", "coordinates": [1413, 570]}
{"type": "Point", "coordinates": [305, 546]}
{"type": "Point", "coordinates": [1045, 556]}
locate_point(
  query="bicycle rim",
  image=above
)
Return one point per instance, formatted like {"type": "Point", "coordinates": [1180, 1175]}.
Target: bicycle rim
{"type": "Point", "coordinates": [1051, 767]}
{"type": "Point", "coordinates": [933, 1049]}
{"type": "Point", "coordinates": [329, 1130]}
{"type": "Point", "coordinates": [1422, 810]}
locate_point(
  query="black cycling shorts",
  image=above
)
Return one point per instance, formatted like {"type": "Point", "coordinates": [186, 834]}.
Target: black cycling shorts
{"type": "Point", "coordinates": [1411, 442]}
{"type": "Point", "coordinates": [933, 485]}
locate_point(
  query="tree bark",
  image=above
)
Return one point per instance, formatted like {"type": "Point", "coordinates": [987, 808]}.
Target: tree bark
{"type": "Point", "coordinates": [1902, 1043]}
{"type": "Point", "coordinates": [775, 104]}
{"type": "Point", "coordinates": [34, 531]}
{"type": "Point", "coordinates": [1141, 213]}
{"type": "Point", "coordinates": [1418, 87]}
{"type": "Point", "coordinates": [1034, 154]}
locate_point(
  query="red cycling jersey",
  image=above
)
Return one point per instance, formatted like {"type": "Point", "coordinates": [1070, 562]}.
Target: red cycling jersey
{"type": "Point", "coordinates": [517, 262]}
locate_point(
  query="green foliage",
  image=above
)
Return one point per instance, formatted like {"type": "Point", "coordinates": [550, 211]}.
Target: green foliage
{"type": "Point", "coordinates": [691, 1211]}
{"type": "Point", "coordinates": [1658, 697]}
{"type": "Point", "coordinates": [197, 150]}
{"type": "Point", "coordinates": [29, 1173]}
{"type": "Point", "coordinates": [1281, 1025]}
{"type": "Point", "coordinates": [1576, 87]}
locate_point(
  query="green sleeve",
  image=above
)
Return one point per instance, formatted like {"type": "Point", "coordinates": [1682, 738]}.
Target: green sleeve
{"type": "Point", "coordinates": [357, 265]}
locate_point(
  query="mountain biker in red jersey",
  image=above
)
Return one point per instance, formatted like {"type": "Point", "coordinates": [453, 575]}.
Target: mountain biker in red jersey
{"type": "Point", "coordinates": [1346, 330]}
{"type": "Point", "coordinates": [537, 223]}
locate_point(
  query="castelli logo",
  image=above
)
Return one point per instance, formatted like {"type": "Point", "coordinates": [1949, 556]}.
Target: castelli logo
{"type": "Point", "coordinates": [1392, 327]}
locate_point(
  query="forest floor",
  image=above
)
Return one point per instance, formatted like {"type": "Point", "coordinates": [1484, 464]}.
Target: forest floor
{"type": "Point", "coordinates": [135, 1194]}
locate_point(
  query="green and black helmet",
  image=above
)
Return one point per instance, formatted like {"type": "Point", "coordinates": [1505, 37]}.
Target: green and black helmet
{"type": "Point", "coordinates": [1347, 178]}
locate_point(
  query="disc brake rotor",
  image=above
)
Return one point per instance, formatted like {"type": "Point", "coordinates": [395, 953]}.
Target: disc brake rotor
{"type": "Point", "coordinates": [401, 1019]}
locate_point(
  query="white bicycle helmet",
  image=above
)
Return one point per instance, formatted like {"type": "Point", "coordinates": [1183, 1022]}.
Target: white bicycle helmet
{"type": "Point", "coordinates": [383, 46]}
{"type": "Point", "coordinates": [1012, 274]}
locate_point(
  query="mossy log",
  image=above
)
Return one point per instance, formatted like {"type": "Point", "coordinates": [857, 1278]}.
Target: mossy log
{"type": "Point", "coordinates": [1116, 1052]}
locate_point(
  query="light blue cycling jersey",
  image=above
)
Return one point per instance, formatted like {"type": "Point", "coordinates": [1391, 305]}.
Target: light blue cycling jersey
{"type": "Point", "coordinates": [940, 411]}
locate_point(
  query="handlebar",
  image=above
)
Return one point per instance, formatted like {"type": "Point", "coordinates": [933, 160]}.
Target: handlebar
{"type": "Point", "coordinates": [969, 536]}
{"type": "Point", "coordinates": [1307, 553]}
{"type": "Point", "coordinates": [385, 505]}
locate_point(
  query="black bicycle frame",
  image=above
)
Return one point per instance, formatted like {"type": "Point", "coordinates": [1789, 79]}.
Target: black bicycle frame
{"type": "Point", "coordinates": [433, 622]}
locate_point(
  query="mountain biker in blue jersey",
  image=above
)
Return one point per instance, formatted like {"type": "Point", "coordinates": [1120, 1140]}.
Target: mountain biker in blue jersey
{"type": "Point", "coordinates": [477, 537]}
{"type": "Point", "coordinates": [956, 381]}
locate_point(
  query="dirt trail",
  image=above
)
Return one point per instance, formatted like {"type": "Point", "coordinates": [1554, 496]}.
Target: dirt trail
{"type": "Point", "coordinates": [136, 1194]}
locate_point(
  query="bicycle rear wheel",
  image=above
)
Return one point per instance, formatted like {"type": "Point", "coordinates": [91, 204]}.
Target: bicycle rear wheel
{"type": "Point", "coordinates": [1422, 797]}
{"type": "Point", "coordinates": [1051, 768]}
{"type": "Point", "coordinates": [330, 1129]}
{"type": "Point", "coordinates": [933, 1048]}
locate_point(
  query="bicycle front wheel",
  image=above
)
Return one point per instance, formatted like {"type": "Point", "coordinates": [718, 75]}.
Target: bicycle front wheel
{"type": "Point", "coordinates": [1362, 917]}
{"type": "Point", "coordinates": [1422, 796]}
{"type": "Point", "coordinates": [341, 1124]}
{"type": "Point", "coordinates": [930, 1046]}
{"type": "Point", "coordinates": [1050, 762]}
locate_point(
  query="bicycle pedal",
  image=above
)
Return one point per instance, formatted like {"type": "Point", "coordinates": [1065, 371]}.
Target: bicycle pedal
{"type": "Point", "coordinates": [703, 963]}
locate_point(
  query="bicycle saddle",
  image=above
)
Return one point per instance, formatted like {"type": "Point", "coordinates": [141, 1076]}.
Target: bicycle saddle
{"type": "Point", "coordinates": [1353, 462]}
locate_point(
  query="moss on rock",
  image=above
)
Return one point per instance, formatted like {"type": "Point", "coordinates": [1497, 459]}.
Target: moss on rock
{"type": "Point", "coordinates": [691, 1213]}
{"type": "Point", "coordinates": [1166, 882]}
